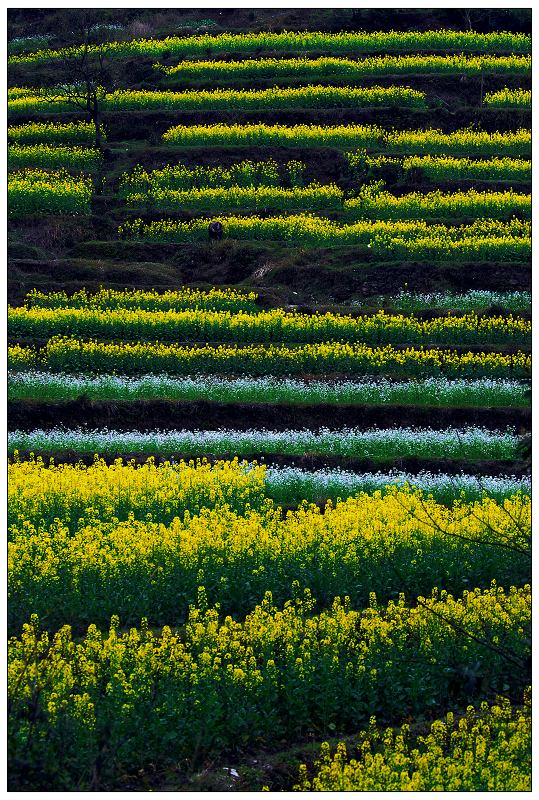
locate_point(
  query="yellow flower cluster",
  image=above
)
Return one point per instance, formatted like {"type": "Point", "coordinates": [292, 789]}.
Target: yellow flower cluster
{"type": "Point", "coordinates": [35, 191]}
{"type": "Point", "coordinates": [371, 203]}
{"type": "Point", "coordinates": [329, 68]}
{"type": "Point", "coordinates": [180, 177]}
{"type": "Point", "coordinates": [298, 42]}
{"type": "Point", "coordinates": [450, 168]}
{"type": "Point", "coordinates": [43, 156]}
{"type": "Point", "coordinates": [140, 567]}
{"type": "Point", "coordinates": [462, 142]}
{"type": "Point", "coordinates": [20, 91]}
{"type": "Point", "coordinates": [275, 325]}
{"type": "Point", "coordinates": [22, 357]}
{"type": "Point", "coordinates": [485, 750]}
{"type": "Point", "coordinates": [74, 355]}
{"type": "Point", "coordinates": [438, 205]}
{"type": "Point", "coordinates": [239, 100]}
{"type": "Point", "coordinates": [314, 197]}
{"type": "Point", "coordinates": [508, 98]}
{"type": "Point", "coordinates": [71, 133]}
{"type": "Point", "coordinates": [214, 299]}
{"type": "Point", "coordinates": [280, 672]}
{"type": "Point", "coordinates": [39, 491]}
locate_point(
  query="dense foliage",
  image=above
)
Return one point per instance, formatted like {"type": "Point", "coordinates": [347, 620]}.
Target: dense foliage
{"type": "Point", "coordinates": [276, 325]}
{"type": "Point", "coordinates": [36, 191]}
{"type": "Point", "coordinates": [300, 42]}
{"type": "Point", "coordinates": [67, 354]}
{"type": "Point", "coordinates": [439, 391]}
{"type": "Point", "coordinates": [329, 68]}
{"type": "Point", "coordinates": [488, 749]}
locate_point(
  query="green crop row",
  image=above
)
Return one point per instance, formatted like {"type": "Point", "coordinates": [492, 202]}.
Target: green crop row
{"type": "Point", "coordinates": [387, 240]}
{"type": "Point", "coordinates": [298, 42]}
{"type": "Point", "coordinates": [371, 202]}
{"type": "Point", "coordinates": [23, 44]}
{"type": "Point", "coordinates": [179, 177]}
{"type": "Point", "coordinates": [374, 203]}
{"type": "Point", "coordinates": [214, 299]}
{"type": "Point", "coordinates": [338, 68]}
{"type": "Point", "coordinates": [14, 92]}
{"type": "Point", "coordinates": [43, 156]}
{"type": "Point", "coordinates": [382, 446]}
{"type": "Point", "coordinates": [474, 300]}
{"type": "Point", "coordinates": [224, 299]}
{"type": "Point", "coordinates": [74, 355]}
{"type": "Point", "coordinates": [45, 387]}
{"type": "Point", "coordinates": [466, 142]}
{"type": "Point", "coordinates": [35, 191]}
{"type": "Point", "coordinates": [313, 197]}
{"type": "Point", "coordinates": [275, 325]}
{"type": "Point", "coordinates": [220, 684]}
{"type": "Point", "coordinates": [71, 133]}
{"type": "Point", "coordinates": [238, 100]}
{"type": "Point", "coordinates": [442, 168]}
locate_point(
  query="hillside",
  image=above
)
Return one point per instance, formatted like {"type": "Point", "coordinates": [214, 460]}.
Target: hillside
{"type": "Point", "coordinates": [269, 409]}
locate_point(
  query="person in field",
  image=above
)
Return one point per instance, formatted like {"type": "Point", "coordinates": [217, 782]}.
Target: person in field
{"type": "Point", "coordinates": [215, 231]}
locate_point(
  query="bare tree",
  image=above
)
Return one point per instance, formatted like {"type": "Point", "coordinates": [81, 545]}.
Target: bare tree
{"type": "Point", "coordinates": [82, 73]}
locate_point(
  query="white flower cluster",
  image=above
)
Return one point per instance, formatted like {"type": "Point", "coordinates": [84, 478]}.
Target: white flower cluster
{"type": "Point", "coordinates": [341, 483]}
{"type": "Point", "coordinates": [381, 444]}
{"type": "Point", "coordinates": [437, 391]}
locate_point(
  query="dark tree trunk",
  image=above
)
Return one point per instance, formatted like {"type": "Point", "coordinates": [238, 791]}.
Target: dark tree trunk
{"type": "Point", "coordinates": [96, 119]}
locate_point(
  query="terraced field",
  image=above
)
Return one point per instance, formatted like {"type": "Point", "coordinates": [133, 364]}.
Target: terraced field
{"type": "Point", "coordinates": [269, 491]}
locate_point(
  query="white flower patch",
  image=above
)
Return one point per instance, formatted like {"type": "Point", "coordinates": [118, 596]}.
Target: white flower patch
{"type": "Point", "coordinates": [382, 444]}
{"type": "Point", "coordinates": [437, 391]}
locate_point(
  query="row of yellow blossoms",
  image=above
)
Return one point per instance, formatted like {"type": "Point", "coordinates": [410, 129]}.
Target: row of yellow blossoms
{"type": "Point", "coordinates": [42, 493]}
{"type": "Point", "coordinates": [48, 100]}
{"type": "Point", "coordinates": [377, 204]}
{"type": "Point", "coordinates": [371, 202]}
{"type": "Point", "coordinates": [509, 98]}
{"type": "Point", "coordinates": [297, 42]}
{"type": "Point", "coordinates": [466, 142]}
{"type": "Point", "coordinates": [331, 68]}
{"type": "Point", "coordinates": [226, 299]}
{"type": "Point", "coordinates": [444, 168]}
{"type": "Point", "coordinates": [35, 191]}
{"type": "Point", "coordinates": [219, 683]}
{"type": "Point", "coordinates": [67, 354]}
{"type": "Point", "coordinates": [488, 749]}
{"type": "Point", "coordinates": [275, 325]}
{"type": "Point", "coordinates": [387, 239]}
{"type": "Point", "coordinates": [246, 173]}
{"type": "Point", "coordinates": [48, 156]}
{"type": "Point", "coordinates": [70, 133]}
{"type": "Point", "coordinates": [217, 298]}
{"type": "Point", "coordinates": [85, 570]}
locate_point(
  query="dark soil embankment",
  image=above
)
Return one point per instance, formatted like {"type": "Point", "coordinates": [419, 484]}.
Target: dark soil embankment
{"type": "Point", "coordinates": [151, 125]}
{"type": "Point", "coordinates": [311, 462]}
{"type": "Point", "coordinates": [282, 275]}
{"type": "Point", "coordinates": [170, 21]}
{"type": "Point", "coordinates": [164, 415]}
